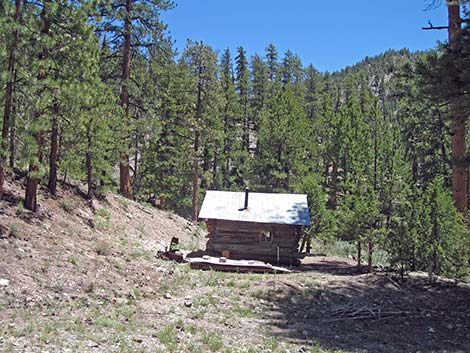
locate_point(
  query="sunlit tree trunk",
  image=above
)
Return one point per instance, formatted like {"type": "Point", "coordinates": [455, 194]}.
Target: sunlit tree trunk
{"type": "Point", "coordinates": [124, 169]}
{"type": "Point", "coordinates": [457, 117]}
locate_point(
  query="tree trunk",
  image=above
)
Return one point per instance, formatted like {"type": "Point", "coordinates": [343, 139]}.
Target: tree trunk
{"type": "Point", "coordinates": [195, 203]}
{"type": "Point", "coordinates": [125, 177]}
{"type": "Point", "coordinates": [13, 132]}
{"type": "Point", "coordinates": [359, 255]}
{"type": "Point", "coordinates": [309, 243]}
{"type": "Point", "coordinates": [60, 142]}
{"type": "Point", "coordinates": [205, 167]}
{"type": "Point", "coordinates": [226, 162]}
{"type": "Point", "coordinates": [195, 208]}
{"type": "Point", "coordinates": [32, 181]}
{"type": "Point", "coordinates": [467, 185]}
{"type": "Point", "coordinates": [376, 153]}
{"type": "Point", "coordinates": [246, 129]}
{"type": "Point", "coordinates": [333, 200]}
{"type": "Point", "coordinates": [369, 257]}
{"type": "Point", "coordinates": [215, 171]}
{"type": "Point", "coordinates": [52, 184]}
{"type": "Point", "coordinates": [302, 245]}
{"type": "Point", "coordinates": [89, 164]}
{"type": "Point", "coordinates": [458, 158]}
{"type": "Point", "coordinates": [457, 120]}
{"type": "Point", "coordinates": [9, 97]}
{"type": "Point", "coordinates": [136, 157]}
{"type": "Point", "coordinates": [124, 170]}
{"type": "Point", "coordinates": [30, 201]}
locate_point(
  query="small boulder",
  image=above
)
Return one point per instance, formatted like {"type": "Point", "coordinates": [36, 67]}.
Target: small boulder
{"type": "Point", "coordinates": [92, 344]}
{"type": "Point", "coordinates": [167, 296]}
{"type": "Point", "coordinates": [83, 214]}
{"type": "Point", "coordinates": [4, 282]}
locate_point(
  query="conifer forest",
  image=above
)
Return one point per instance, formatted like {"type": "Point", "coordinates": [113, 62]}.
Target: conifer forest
{"type": "Point", "coordinates": [95, 91]}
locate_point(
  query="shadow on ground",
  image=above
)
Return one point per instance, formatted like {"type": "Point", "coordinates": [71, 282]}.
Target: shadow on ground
{"type": "Point", "coordinates": [330, 265]}
{"type": "Point", "coordinates": [370, 312]}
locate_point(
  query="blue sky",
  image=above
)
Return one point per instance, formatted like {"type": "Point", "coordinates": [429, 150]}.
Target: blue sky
{"type": "Point", "coordinates": [328, 34]}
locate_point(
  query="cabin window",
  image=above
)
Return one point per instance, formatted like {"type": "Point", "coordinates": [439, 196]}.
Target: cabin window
{"type": "Point", "coordinates": [266, 237]}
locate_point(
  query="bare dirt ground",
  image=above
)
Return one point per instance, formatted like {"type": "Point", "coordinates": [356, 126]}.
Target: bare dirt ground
{"type": "Point", "coordinates": [81, 278]}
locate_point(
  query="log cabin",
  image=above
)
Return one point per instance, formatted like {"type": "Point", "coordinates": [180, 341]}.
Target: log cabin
{"type": "Point", "coordinates": [255, 226]}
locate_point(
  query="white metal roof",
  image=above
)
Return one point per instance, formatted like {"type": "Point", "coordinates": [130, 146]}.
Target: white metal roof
{"type": "Point", "coordinates": [262, 207]}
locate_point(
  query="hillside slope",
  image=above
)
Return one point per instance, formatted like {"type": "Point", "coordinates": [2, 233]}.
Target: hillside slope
{"type": "Point", "coordinates": [71, 246]}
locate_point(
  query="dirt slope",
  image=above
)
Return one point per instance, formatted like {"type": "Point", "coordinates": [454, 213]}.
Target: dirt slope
{"type": "Point", "coordinates": [70, 247]}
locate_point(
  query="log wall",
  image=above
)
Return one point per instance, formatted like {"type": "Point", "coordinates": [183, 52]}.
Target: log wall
{"type": "Point", "coordinates": [244, 241]}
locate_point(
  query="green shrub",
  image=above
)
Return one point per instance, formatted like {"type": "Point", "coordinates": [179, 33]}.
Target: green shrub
{"type": "Point", "coordinates": [68, 205]}
{"type": "Point", "coordinates": [168, 337]}
{"type": "Point", "coordinates": [102, 218]}
{"type": "Point", "coordinates": [213, 340]}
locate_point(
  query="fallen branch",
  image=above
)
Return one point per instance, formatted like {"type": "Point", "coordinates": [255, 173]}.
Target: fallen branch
{"type": "Point", "coordinates": [373, 316]}
{"type": "Point", "coordinates": [357, 312]}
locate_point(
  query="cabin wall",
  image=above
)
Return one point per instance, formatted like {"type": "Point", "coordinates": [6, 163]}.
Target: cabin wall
{"type": "Point", "coordinates": [244, 241]}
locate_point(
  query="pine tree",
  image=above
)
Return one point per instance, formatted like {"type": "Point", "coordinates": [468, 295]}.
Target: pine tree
{"type": "Point", "coordinates": [444, 240]}
{"type": "Point", "coordinates": [358, 214]}
{"type": "Point", "coordinates": [291, 70]}
{"type": "Point", "coordinates": [285, 144]}
{"type": "Point", "coordinates": [132, 24]}
{"type": "Point", "coordinates": [404, 229]}
{"type": "Point", "coordinates": [272, 57]}
{"type": "Point", "coordinates": [167, 154]}
{"type": "Point", "coordinates": [65, 55]}
{"type": "Point", "coordinates": [204, 118]}
{"type": "Point", "coordinates": [312, 93]}
{"type": "Point", "coordinates": [322, 219]}
{"type": "Point", "coordinates": [34, 173]}
{"type": "Point", "coordinates": [242, 81]}
{"type": "Point", "coordinates": [259, 78]}
{"type": "Point", "coordinates": [231, 168]}
{"type": "Point", "coordinates": [425, 131]}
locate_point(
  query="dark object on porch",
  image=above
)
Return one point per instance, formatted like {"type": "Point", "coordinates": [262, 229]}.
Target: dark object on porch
{"type": "Point", "coordinates": [172, 253]}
